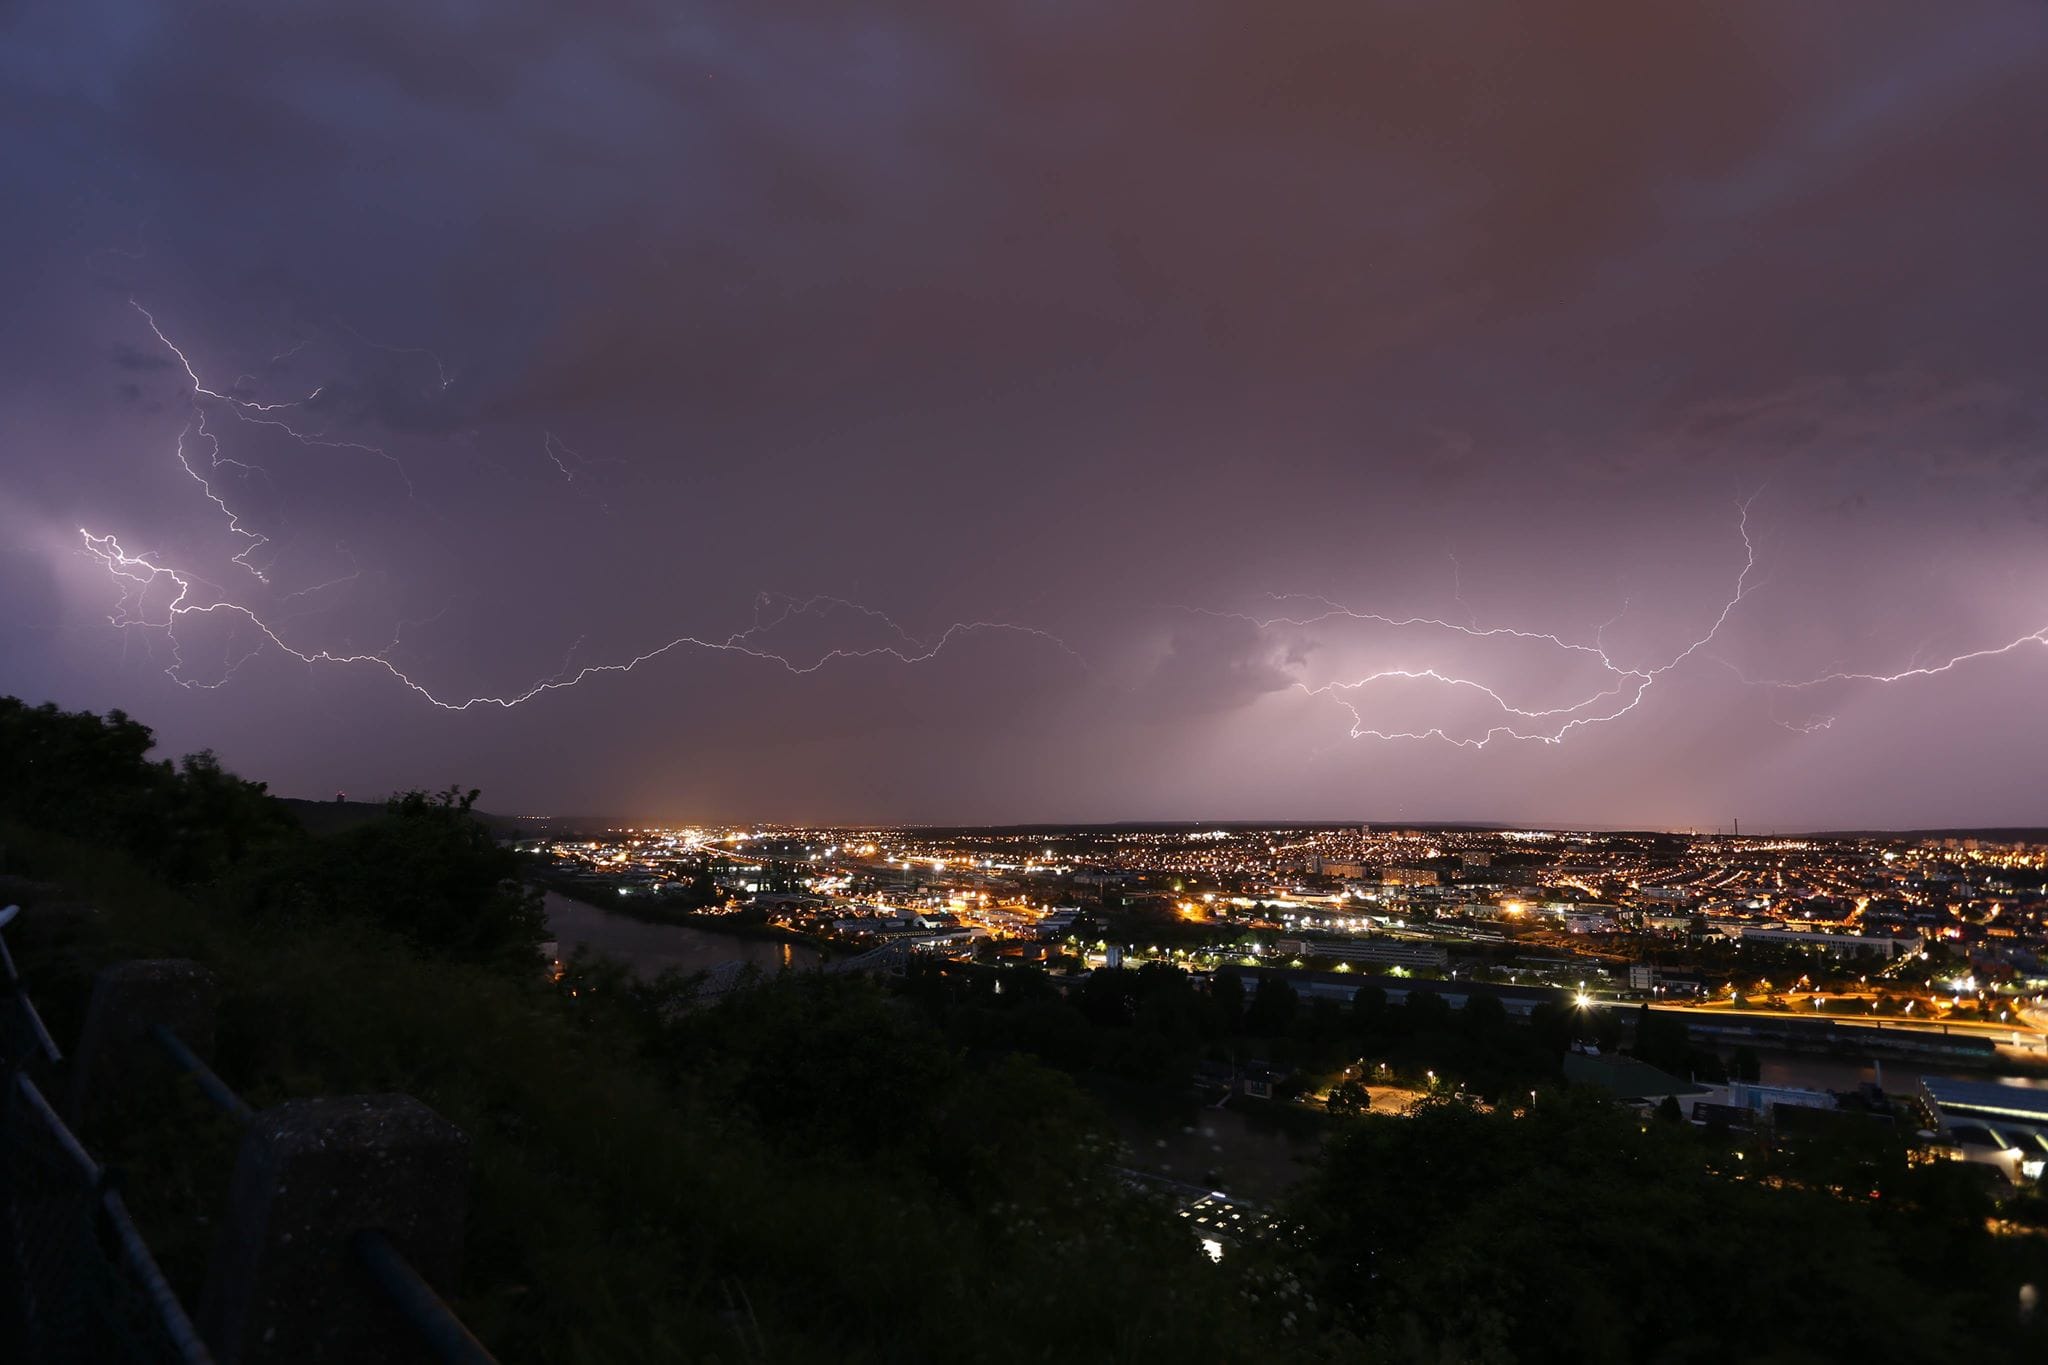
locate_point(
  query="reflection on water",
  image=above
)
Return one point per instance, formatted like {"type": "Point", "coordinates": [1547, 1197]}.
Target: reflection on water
{"type": "Point", "coordinates": [650, 949]}
{"type": "Point", "coordinates": [1253, 1155]}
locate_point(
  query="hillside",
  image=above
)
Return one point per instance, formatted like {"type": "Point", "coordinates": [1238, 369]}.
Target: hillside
{"type": "Point", "coordinates": [329, 817]}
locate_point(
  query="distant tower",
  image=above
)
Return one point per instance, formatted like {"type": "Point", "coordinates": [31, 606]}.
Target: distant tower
{"type": "Point", "coordinates": [1738, 827]}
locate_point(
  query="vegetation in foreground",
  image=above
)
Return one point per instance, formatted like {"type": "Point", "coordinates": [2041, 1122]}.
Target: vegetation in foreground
{"type": "Point", "coordinates": [908, 1173]}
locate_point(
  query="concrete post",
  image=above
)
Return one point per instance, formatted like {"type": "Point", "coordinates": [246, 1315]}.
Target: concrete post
{"type": "Point", "coordinates": [283, 1285]}
{"type": "Point", "coordinates": [117, 1062]}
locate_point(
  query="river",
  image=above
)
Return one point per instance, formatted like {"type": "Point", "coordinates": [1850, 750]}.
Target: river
{"type": "Point", "coordinates": [650, 949]}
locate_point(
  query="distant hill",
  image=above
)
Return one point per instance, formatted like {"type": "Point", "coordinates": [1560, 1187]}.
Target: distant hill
{"type": "Point", "coordinates": [326, 817]}
{"type": "Point", "coordinates": [1187, 826]}
{"type": "Point", "coordinates": [323, 817]}
{"type": "Point", "coordinates": [1997, 834]}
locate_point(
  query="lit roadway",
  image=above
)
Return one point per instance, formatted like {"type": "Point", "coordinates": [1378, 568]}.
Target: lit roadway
{"type": "Point", "coordinates": [2023, 1031]}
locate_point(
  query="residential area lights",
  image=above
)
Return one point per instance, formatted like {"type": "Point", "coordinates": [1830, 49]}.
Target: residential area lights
{"type": "Point", "coordinates": [1896, 932]}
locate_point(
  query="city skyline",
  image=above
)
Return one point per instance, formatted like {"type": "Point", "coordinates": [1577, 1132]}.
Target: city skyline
{"type": "Point", "coordinates": [1612, 420]}
{"type": "Point", "coordinates": [1730, 831]}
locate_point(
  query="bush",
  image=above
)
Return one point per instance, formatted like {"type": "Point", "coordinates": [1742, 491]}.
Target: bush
{"type": "Point", "coordinates": [426, 869]}
{"type": "Point", "coordinates": [78, 775]}
{"type": "Point", "coordinates": [1350, 1097]}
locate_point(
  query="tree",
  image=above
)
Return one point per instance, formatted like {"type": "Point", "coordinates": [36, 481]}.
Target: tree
{"type": "Point", "coordinates": [1226, 994]}
{"type": "Point", "coordinates": [215, 820]}
{"type": "Point", "coordinates": [1662, 1040]}
{"type": "Point", "coordinates": [1107, 999]}
{"type": "Point", "coordinates": [1555, 1025]}
{"type": "Point", "coordinates": [1350, 1097]}
{"type": "Point", "coordinates": [1273, 1008]}
{"type": "Point", "coordinates": [1369, 1008]}
{"type": "Point", "coordinates": [1526, 1256]}
{"type": "Point", "coordinates": [74, 773]}
{"type": "Point", "coordinates": [87, 777]}
{"type": "Point", "coordinates": [1483, 1016]}
{"type": "Point", "coordinates": [1424, 1011]}
{"type": "Point", "coordinates": [427, 868]}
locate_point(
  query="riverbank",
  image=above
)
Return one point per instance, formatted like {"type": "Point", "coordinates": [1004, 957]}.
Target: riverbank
{"type": "Point", "coordinates": [650, 947]}
{"type": "Point", "coordinates": [652, 910]}
{"type": "Point", "coordinates": [734, 927]}
{"type": "Point", "coordinates": [606, 898]}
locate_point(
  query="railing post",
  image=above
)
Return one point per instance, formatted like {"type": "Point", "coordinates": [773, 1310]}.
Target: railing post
{"type": "Point", "coordinates": [116, 1058]}
{"type": "Point", "coordinates": [284, 1284]}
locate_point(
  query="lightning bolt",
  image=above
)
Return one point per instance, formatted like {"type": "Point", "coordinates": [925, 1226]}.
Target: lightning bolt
{"type": "Point", "coordinates": [1620, 688]}
{"type": "Point", "coordinates": [442, 377]}
{"type": "Point", "coordinates": [555, 448]}
{"type": "Point", "coordinates": [1625, 687]}
{"type": "Point", "coordinates": [263, 414]}
{"type": "Point", "coordinates": [2037, 637]}
{"type": "Point", "coordinates": [1909, 674]}
{"type": "Point", "coordinates": [138, 573]}
{"type": "Point", "coordinates": [143, 578]}
{"type": "Point", "coordinates": [1458, 588]}
{"type": "Point", "coordinates": [215, 461]}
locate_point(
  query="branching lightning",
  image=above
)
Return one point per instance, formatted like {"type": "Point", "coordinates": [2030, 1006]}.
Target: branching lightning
{"type": "Point", "coordinates": [443, 379]}
{"type": "Point", "coordinates": [144, 580]}
{"type": "Point", "coordinates": [574, 467]}
{"type": "Point", "coordinates": [262, 414]}
{"type": "Point", "coordinates": [138, 573]}
{"type": "Point", "coordinates": [1818, 723]}
{"type": "Point", "coordinates": [1623, 685]}
{"type": "Point", "coordinates": [156, 596]}
{"type": "Point", "coordinates": [1624, 689]}
{"type": "Point", "coordinates": [214, 461]}
{"type": "Point", "coordinates": [2037, 637]}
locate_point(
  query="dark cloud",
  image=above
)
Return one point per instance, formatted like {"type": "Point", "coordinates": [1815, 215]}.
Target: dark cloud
{"type": "Point", "coordinates": [131, 357]}
{"type": "Point", "coordinates": [1211, 664]}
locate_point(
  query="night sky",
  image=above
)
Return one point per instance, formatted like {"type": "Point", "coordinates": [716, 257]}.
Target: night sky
{"type": "Point", "coordinates": [1042, 411]}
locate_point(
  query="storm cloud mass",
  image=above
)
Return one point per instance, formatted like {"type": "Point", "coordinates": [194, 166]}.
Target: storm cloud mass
{"type": "Point", "coordinates": [1185, 396]}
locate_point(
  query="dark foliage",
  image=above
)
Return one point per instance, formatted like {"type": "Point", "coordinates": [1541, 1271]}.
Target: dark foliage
{"type": "Point", "coordinates": [1662, 1040]}
{"type": "Point", "coordinates": [427, 869]}
{"type": "Point", "coordinates": [1576, 1234]}
{"type": "Point", "coordinates": [89, 777]}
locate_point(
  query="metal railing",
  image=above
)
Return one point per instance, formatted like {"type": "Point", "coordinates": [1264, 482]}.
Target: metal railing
{"type": "Point", "coordinates": [431, 1318]}
{"type": "Point", "coordinates": [416, 1300]}
{"type": "Point", "coordinates": [84, 1283]}
{"type": "Point", "coordinates": [210, 1085]}
{"type": "Point", "coordinates": [81, 1282]}
{"type": "Point", "coordinates": [23, 1009]}
{"type": "Point", "coordinates": [166, 1317]}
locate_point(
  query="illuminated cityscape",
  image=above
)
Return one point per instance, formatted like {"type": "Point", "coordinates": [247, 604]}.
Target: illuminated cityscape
{"type": "Point", "coordinates": [1954, 929]}
{"type": "Point", "coordinates": [1804, 959]}
{"type": "Point", "coordinates": [1008, 682]}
